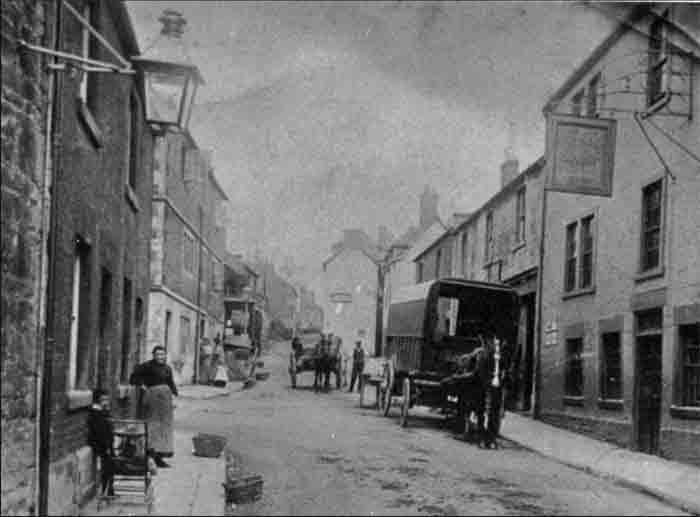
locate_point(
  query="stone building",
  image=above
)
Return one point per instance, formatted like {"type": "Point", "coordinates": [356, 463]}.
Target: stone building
{"type": "Point", "coordinates": [26, 89]}
{"type": "Point", "coordinates": [187, 252]}
{"type": "Point", "coordinates": [95, 154]}
{"type": "Point", "coordinates": [350, 288]}
{"type": "Point", "coordinates": [621, 274]}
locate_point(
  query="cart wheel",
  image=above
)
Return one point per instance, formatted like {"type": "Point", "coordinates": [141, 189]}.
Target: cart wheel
{"type": "Point", "coordinates": [293, 370]}
{"type": "Point", "coordinates": [406, 391]}
{"type": "Point", "coordinates": [387, 387]}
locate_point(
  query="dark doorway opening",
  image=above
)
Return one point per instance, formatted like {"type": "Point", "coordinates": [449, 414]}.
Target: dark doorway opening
{"type": "Point", "coordinates": [649, 380]}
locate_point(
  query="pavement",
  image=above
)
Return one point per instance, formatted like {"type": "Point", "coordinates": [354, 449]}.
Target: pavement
{"type": "Point", "coordinates": [673, 482]}
{"type": "Point", "coordinates": [191, 486]}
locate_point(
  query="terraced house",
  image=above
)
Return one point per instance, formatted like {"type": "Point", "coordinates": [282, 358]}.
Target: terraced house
{"type": "Point", "coordinates": [499, 242]}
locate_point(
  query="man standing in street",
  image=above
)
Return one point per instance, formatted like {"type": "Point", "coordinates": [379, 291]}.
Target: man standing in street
{"type": "Point", "coordinates": [358, 364]}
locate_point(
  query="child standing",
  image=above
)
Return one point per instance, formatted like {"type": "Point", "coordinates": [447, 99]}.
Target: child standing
{"type": "Point", "coordinates": [101, 437]}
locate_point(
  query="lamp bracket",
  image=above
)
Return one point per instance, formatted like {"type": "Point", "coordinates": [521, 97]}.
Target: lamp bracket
{"type": "Point", "coordinates": [90, 65]}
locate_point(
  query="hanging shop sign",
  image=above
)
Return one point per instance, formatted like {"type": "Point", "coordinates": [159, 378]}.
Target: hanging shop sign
{"type": "Point", "coordinates": [580, 154]}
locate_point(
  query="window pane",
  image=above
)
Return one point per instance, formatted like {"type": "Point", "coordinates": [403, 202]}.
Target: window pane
{"type": "Point", "coordinates": [570, 273]}
{"type": "Point", "coordinates": [651, 226]}
{"type": "Point", "coordinates": [85, 339]}
{"type": "Point", "coordinates": [611, 371]}
{"type": "Point", "coordinates": [586, 270]}
{"type": "Point", "coordinates": [690, 345]}
{"type": "Point", "coordinates": [571, 240]}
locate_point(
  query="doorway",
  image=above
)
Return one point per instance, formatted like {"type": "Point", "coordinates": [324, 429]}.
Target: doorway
{"type": "Point", "coordinates": [519, 398]}
{"type": "Point", "coordinates": [649, 380]}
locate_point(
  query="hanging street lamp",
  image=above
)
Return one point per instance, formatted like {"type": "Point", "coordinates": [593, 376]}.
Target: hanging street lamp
{"type": "Point", "coordinates": [170, 77]}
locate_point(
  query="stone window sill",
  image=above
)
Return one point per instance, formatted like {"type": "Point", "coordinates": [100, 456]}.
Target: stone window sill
{"type": "Point", "coordinates": [90, 124]}
{"type": "Point", "coordinates": [78, 399]}
{"type": "Point", "coordinates": [616, 404]}
{"type": "Point", "coordinates": [570, 400]}
{"type": "Point", "coordinates": [685, 412]}
{"type": "Point", "coordinates": [649, 275]}
{"type": "Point", "coordinates": [578, 292]}
{"type": "Point", "coordinates": [131, 198]}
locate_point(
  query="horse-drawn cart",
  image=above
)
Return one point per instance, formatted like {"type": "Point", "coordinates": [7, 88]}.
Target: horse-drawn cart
{"type": "Point", "coordinates": [320, 358]}
{"type": "Point", "coordinates": [448, 345]}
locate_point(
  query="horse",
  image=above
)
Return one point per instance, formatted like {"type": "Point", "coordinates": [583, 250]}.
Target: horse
{"type": "Point", "coordinates": [483, 373]}
{"type": "Point", "coordinates": [322, 365]}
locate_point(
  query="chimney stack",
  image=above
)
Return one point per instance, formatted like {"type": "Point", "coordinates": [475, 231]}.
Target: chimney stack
{"type": "Point", "coordinates": [509, 168]}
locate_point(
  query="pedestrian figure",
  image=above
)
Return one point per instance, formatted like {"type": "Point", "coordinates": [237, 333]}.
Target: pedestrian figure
{"type": "Point", "coordinates": [155, 381]}
{"type": "Point", "coordinates": [206, 351]}
{"type": "Point", "coordinates": [358, 364]}
{"type": "Point", "coordinates": [101, 438]}
{"type": "Point", "coordinates": [297, 346]}
{"type": "Point", "coordinates": [322, 371]}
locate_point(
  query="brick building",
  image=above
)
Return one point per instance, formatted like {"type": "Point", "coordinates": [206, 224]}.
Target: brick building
{"type": "Point", "coordinates": [187, 252]}
{"type": "Point", "coordinates": [95, 155]}
{"type": "Point", "coordinates": [101, 188]}
{"type": "Point", "coordinates": [26, 90]}
{"type": "Point", "coordinates": [621, 274]}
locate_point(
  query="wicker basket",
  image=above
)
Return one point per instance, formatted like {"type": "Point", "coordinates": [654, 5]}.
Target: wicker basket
{"type": "Point", "coordinates": [246, 489]}
{"type": "Point", "coordinates": [208, 445]}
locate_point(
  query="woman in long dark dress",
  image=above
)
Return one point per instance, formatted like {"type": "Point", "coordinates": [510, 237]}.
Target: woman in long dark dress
{"type": "Point", "coordinates": [155, 379]}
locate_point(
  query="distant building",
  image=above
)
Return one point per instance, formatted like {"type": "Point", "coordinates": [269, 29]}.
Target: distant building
{"type": "Point", "coordinates": [244, 304]}
{"type": "Point", "coordinates": [350, 290]}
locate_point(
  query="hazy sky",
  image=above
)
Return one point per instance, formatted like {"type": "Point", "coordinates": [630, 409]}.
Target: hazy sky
{"type": "Point", "coordinates": [330, 115]}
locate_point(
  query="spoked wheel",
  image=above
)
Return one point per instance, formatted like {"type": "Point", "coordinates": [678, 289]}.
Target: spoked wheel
{"type": "Point", "coordinates": [406, 403]}
{"type": "Point", "coordinates": [293, 370]}
{"type": "Point", "coordinates": [387, 387]}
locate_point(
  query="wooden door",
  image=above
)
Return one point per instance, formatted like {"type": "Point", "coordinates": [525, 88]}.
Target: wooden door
{"type": "Point", "coordinates": [649, 390]}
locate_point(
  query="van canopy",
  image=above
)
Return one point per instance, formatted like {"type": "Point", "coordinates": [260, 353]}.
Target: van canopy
{"type": "Point", "coordinates": [425, 309]}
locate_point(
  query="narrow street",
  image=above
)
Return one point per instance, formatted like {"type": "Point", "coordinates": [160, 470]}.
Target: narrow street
{"type": "Point", "coordinates": [323, 454]}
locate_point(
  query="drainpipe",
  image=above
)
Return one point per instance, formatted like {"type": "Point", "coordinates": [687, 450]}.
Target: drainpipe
{"type": "Point", "coordinates": [199, 295]}
{"type": "Point", "coordinates": [51, 164]}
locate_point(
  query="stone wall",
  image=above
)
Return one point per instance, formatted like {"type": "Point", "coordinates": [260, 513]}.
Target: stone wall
{"type": "Point", "coordinates": [25, 85]}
